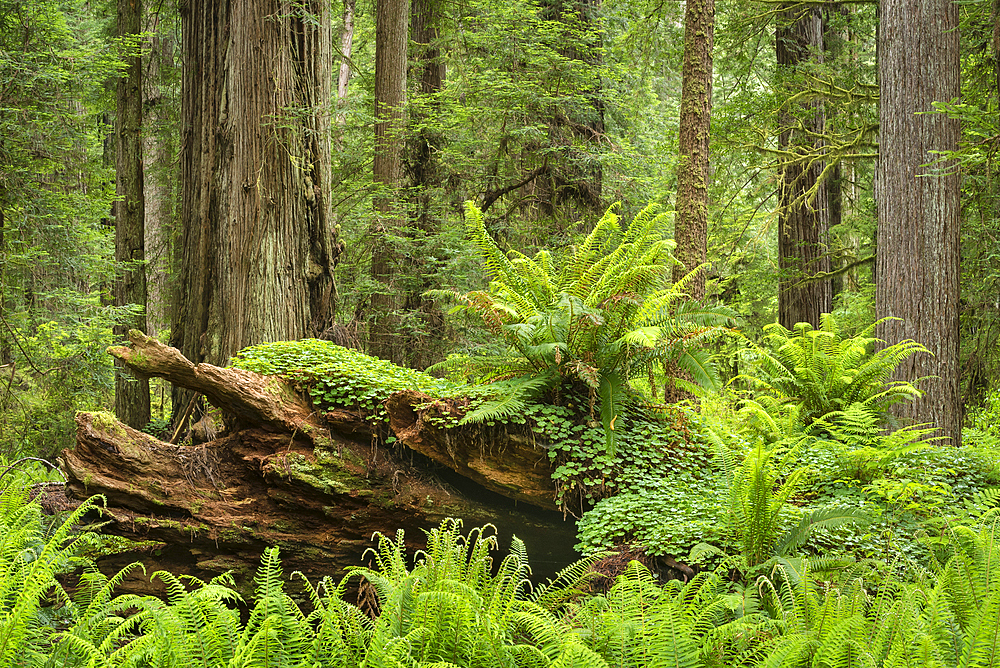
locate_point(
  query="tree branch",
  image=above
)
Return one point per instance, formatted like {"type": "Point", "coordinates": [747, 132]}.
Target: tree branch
{"type": "Point", "coordinates": [491, 196]}
{"type": "Point", "coordinates": [822, 276]}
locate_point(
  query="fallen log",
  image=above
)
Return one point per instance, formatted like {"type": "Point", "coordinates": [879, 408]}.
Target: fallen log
{"type": "Point", "coordinates": [316, 483]}
{"type": "Point", "coordinates": [504, 459]}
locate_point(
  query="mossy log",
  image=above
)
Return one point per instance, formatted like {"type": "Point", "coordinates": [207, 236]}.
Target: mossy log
{"type": "Point", "coordinates": [315, 483]}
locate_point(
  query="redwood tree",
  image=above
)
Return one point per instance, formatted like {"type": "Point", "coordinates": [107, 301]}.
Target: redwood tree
{"type": "Point", "coordinates": [803, 219]}
{"type": "Point", "coordinates": [391, 26]}
{"type": "Point", "coordinates": [424, 177]}
{"type": "Point", "coordinates": [258, 246]}
{"type": "Point", "coordinates": [691, 224]}
{"type": "Point", "coordinates": [917, 268]}
{"type": "Point", "coordinates": [131, 394]}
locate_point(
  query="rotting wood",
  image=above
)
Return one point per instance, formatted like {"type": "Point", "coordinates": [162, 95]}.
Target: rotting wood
{"type": "Point", "coordinates": [502, 459]}
{"type": "Point", "coordinates": [316, 483]}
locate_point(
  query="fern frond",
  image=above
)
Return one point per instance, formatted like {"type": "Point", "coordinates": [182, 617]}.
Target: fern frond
{"type": "Point", "coordinates": [612, 394]}
{"type": "Point", "coordinates": [817, 519]}
{"type": "Point", "coordinates": [567, 583]}
{"type": "Point", "coordinates": [511, 400]}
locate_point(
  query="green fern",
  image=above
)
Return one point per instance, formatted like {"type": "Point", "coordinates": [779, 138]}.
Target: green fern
{"type": "Point", "coordinates": [29, 561]}
{"type": "Point", "coordinates": [642, 623]}
{"type": "Point", "coordinates": [453, 607]}
{"type": "Point", "coordinates": [758, 497]}
{"type": "Point", "coordinates": [601, 319]}
{"type": "Point", "coordinates": [821, 372]}
{"type": "Point", "coordinates": [866, 451]}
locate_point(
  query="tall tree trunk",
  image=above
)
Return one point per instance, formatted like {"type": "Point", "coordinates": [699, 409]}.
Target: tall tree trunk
{"type": "Point", "coordinates": [995, 15]}
{"type": "Point", "coordinates": [691, 224]}
{"type": "Point", "coordinates": [833, 46]}
{"type": "Point", "coordinates": [344, 75]}
{"type": "Point", "coordinates": [131, 394]}
{"type": "Point", "coordinates": [421, 165]}
{"type": "Point", "coordinates": [918, 206]}
{"type": "Point", "coordinates": [258, 243]}
{"type": "Point", "coordinates": [803, 219]}
{"type": "Point", "coordinates": [391, 35]}
{"type": "Point", "coordinates": [160, 176]}
{"type": "Point", "coordinates": [423, 176]}
{"type": "Point", "coordinates": [6, 352]}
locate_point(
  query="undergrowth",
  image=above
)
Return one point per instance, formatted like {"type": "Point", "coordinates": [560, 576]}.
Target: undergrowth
{"type": "Point", "coordinates": [460, 602]}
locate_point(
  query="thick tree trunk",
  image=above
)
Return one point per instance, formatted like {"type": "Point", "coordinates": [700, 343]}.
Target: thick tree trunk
{"type": "Point", "coordinates": [391, 36]}
{"type": "Point", "coordinates": [803, 219]}
{"type": "Point", "coordinates": [423, 178]}
{"type": "Point", "coordinates": [918, 206]}
{"type": "Point", "coordinates": [691, 223]}
{"type": "Point", "coordinates": [284, 474]}
{"type": "Point", "coordinates": [131, 394]}
{"type": "Point", "coordinates": [258, 243]}
{"type": "Point", "coordinates": [160, 173]}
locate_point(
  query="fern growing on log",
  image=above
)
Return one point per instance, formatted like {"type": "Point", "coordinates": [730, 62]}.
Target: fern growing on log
{"type": "Point", "coordinates": [602, 318]}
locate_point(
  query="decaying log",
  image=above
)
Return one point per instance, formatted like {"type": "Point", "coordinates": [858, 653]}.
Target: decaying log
{"type": "Point", "coordinates": [507, 461]}
{"type": "Point", "coordinates": [216, 506]}
{"type": "Point", "coordinates": [250, 397]}
{"type": "Point", "coordinates": [315, 483]}
{"type": "Point", "coordinates": [502, 459]}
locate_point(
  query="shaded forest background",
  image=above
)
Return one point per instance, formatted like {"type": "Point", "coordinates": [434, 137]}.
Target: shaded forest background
{"type": "Point", "coordinates": [541, 113]}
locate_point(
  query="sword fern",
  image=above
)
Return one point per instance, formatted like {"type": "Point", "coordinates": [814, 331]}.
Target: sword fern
{"type": "Point", "coordinates": [600, 318]}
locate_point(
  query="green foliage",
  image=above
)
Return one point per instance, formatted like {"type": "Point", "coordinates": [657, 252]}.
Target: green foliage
{"type": "Point", "coordinates": [942, 622]}
{"type": "Point", "coordinates": [30, 559]}
{"type": "Point", "coordinates": [653, 451]}
{"type": "Point", "coordinates": [456, 607]}
{"type": "Point", "coordinates": [642, 623]}
{"type": "Point", "coordinates": [975, 110]}
{"type": "Point", "coordinates": [599, 319]}
{"type": "Point", "coordinates": [866, 452]}
{"type": "Point", "coordinates": [453, 606]}
{"type": "Point", "coordinates": [56, 252]}
{"type": "Point", "coordinates": [983, 422]}
{"type": "Point", "coordinates": [664, 494]}
{"type": "Point", "coordinates": [820, 371]}
{"type": "Point", "coordinates": [335, 376]}
{"type": "Point", "coordinates": [759, 494]}
{"type": "Point", "coordinates": [54, 372]}
{"type": "Point", "coordinates": [668, 519]}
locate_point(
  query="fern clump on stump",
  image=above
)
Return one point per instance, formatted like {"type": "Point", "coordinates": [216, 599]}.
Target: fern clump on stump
{"type": "Point", "coordinates": [604, 319]}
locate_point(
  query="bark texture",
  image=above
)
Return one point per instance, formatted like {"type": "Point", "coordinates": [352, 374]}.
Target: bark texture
{"type": "Point", "coordinates": [160, 172]}
{"type": "Point", "coordinates": [691, 223]}
{"type": "Point", "coordinates": [131, 394]}
{"type": "Point", "coordinates": [804, 216]}
{"type": "Point", "coordinates": [391, 37]}
{"type": "Point", "coordinates": [281, 473]}
{"type": "Point", "coordinates": [917, 268]}
{"type": "Point", "coordinates": [423, 177]}
{"type": "Point", "coordinates": [258, 243]}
